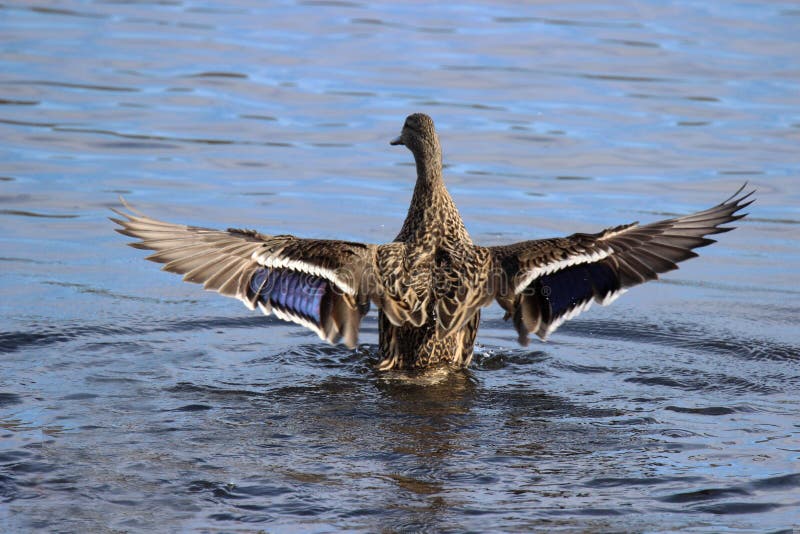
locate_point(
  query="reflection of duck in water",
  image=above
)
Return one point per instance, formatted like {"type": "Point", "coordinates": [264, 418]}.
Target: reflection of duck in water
{"type": "Point", "coordinates": [430, 392]}
{"type": "Point", "coordinates": [430, 283]}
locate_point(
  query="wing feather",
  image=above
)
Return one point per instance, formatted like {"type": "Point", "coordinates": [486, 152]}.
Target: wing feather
{"type": "Point", "coordinates": [315, 283]}
{"type": "Point", "coordinates": [545, 282]}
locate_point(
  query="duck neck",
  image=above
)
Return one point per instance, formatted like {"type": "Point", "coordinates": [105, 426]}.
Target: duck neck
{"type": "Point", "coordinates": [431, 206]}
{"type": "Point", "coordinates": [429, 175]}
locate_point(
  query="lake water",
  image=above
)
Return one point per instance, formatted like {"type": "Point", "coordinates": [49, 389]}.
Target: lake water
{"type": "Point", "coordinates": [130, 401]}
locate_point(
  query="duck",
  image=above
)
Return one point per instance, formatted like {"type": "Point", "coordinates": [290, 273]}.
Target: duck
{"type": "Point", "coordinates": [430, 284]}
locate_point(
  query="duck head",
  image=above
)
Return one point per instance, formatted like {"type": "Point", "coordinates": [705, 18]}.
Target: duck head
{"type": "Point", "coordinates": [419, 136]}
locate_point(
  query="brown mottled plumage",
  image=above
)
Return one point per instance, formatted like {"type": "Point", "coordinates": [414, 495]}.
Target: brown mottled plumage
{"type": "Point", "coordinates": [431, 281]}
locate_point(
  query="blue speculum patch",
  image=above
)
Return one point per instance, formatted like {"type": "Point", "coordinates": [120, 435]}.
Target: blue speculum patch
{"type": "Point", "coordinates": [577, 284]}
{"type": "Point", "coordinates": [299, 293]}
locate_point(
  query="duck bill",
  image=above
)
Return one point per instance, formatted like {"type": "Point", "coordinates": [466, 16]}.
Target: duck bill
{"type": "Point", "coordinates": [397, 140]}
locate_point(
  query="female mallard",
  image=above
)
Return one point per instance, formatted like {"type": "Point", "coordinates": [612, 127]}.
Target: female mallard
{"type": "Point", "coordinates": [430, 283]}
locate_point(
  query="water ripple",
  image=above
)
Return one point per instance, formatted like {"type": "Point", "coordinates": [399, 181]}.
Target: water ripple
{"type": "Point", "coordinates": [23, 213]}
{"type": "Point", "coordinates": [70, 85]}
{"type": "Point", "coordinates": [218, 74]}
{"type": "Point", "coordinates": [685, 336]}
{"type": "Point", "coordinates": [711, 410]}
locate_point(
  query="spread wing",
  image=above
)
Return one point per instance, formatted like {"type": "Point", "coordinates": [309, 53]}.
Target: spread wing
{"type": "Point", "coordinates": [543, 283]}
{"type": "Point", "coordinates": [319, 284]}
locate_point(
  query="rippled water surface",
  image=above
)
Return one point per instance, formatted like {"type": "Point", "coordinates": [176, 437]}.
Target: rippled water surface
{"type": "Point", "coordinates": [130, 401]}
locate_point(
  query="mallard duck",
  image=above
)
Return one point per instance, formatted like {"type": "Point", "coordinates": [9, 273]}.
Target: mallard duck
{"type": "Point", "coordinates": [430, 283]}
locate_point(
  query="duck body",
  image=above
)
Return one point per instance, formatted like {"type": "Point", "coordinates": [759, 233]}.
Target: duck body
{"type": "Point", "coordinates": [431, 282]}
{"type": "Point", "coordinates": [439, 258]}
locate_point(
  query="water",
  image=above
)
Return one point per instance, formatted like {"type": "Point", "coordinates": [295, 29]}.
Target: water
{"type": "Point", "coordinates": [130, 401]}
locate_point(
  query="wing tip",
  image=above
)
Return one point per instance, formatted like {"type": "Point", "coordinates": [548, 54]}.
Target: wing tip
{"type": "Point", "coordinates": [738, 199]}
{"type": "Point", "coordinates": [129, 207]}
{"type": "Point", "coordinates": [134, 215]}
